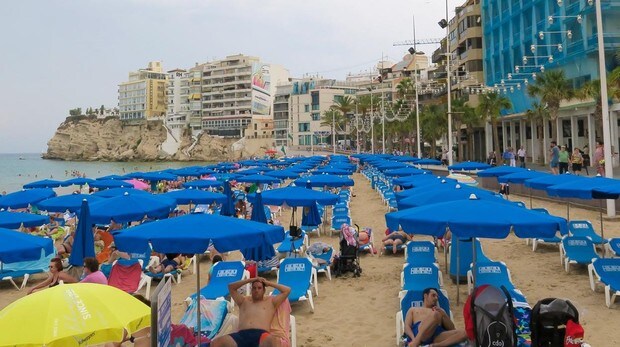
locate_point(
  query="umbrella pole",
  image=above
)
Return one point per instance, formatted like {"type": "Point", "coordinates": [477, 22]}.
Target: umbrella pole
{"type": "Point", "coordinates": [473, 270]}
{"type": "Point", "coordinates": [198, 326]}
{"type": "Point", "coordinates": [568, 210]}
{"type": "Point", "coordinates": [458, 280]}
{"type": "Point", "coordinates": [530, 198]}
{"type": "Point", "coordinates": [600, 204]}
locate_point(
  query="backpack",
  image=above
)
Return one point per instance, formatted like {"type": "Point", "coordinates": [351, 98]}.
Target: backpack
{"type": "Point", "coordinates": [548, 322]}
{"type": "Point", "coordinates": [489, 318]}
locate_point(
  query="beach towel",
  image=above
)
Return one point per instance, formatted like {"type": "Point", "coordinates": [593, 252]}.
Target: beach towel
{"type": "Point", "coordinates": [349, 234]}
{"type": "Point", "coordinates": [125, 277]}
{"type": "Point", "coordinates": [281, 323]}
{"type": "Point", "coordinates": [213, 313]}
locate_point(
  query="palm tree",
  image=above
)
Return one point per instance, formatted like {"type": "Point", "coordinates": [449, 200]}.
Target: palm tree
{"type": "Point", "coordinates": [433, 124]}
{"type": "Point", "coordinates": [334, 120]}
{"type": "Point", "coordinates": [459, 108]}
{"type": "Point", "coordinates": [552, 87]}
{"type": "Point", "coordinates": [490, 107]}
{"type": "Point", "coordinates": [538, 113]}
{"type": "Point", "coordinates": [591, 90]}
{"type": "Point", "coordinates": [471, 119]}
{"type": "Point", "coordinates": [366, 104]}
{"type": "Point", "coordinates": [344, 105]}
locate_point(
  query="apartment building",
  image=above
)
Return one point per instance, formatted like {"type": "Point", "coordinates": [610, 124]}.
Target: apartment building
{"type": "Point", "coordinates": [178, 115]}
{"type": "Point", "coordinates": [281, 114]}
{"type": "Point", "coordinates": [143, 95]}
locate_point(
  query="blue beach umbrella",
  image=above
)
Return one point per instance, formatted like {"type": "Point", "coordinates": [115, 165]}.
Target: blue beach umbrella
{"type": "Point", "coordinates": [258, 179]}
{"type": "Point", "coordinates": [406, 171]}
{"type": "Point", "coordinates": [107, 184]}
{"type": "Point", "coordinates": [458, 192]}
{"type": "Point", "coordinates": [112, 177]}
{"type": "Point", "coordinates": [310, 216]}
{"type": "Point", "coordinates": [258, 210]}
{"type": "Point", "coordinates": [23, 198]}
{"type": "Point", "coordinates": [14, 220]}
{"type": "Point", "coordinates": [521, 176]}
{"type": "Point", "coordinates": [283, 174]}
{"type": "Point", "coordinates": [113, 192]}
{"type": "Point", "coordinates": [131, 207]}
{"type": "Point", "coordinates": [421, 180]}
{"type": "Point", "coordinates": [331, 171]}
{"type": "Point", "coordinates": [84, 241]}
{"type": "Point", "coordinates": [324, 181]}
{"type": "Point", "coordinates": [17, 246]}
{"type": "Point", "coordinates": [224, 176]}
{"type": "Point", "coordinates": [264, 251]}
{"type": "Point", "coordinates": [158, 176]}
{"type": "Point", "coordinates": [543, 182]}
{"type": "Point", "coordinates": [428, 162]}
{"type": "Point", "coordinates": [469, 166]}
{"type": "Point", "coordinates": [499, 171]}
{"type": "Point", "coordinates": [43, 184]}
{"type": "Point", "coordinates": [435, 186]}
{"type": "Point", "coordinates": [195, 196]}
{"type": "Point", "coordinates": [71, 202]}
{"type": "Point", "coordinates": [228, 207]}
{"type": "Point", "coordinates": [203, 184]}
{"type": "Point", "coordinates": [192, 171]}
{"type": "Point", "coordinates": [296, 197]}
{"type": "Point", "coordinates": [78, 181]}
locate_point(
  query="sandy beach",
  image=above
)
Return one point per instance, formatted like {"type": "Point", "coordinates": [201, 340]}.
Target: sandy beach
{"type": "Point", "coordinates": [360, 311]}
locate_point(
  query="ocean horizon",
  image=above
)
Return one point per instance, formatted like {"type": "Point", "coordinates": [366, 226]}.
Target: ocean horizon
{"type": "Point", "coordinates": [18, 169]}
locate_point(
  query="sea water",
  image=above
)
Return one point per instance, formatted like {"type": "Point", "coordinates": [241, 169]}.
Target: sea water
{"type": "Point", "coordinates": [17, 169]}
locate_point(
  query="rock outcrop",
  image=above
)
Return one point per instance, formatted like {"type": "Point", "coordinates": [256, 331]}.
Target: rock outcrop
{"type": "Point", "coordinates": [110, 139]}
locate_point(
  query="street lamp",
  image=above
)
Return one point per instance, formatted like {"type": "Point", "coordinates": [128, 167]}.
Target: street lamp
{"type": "Point", "coordinates": [412, 51]}
{"type": "Point", "coordinates": [444, 24]}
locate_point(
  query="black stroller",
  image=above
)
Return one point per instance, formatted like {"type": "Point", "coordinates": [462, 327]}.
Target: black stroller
{"type": "Point", "coordinates": [348, 259]}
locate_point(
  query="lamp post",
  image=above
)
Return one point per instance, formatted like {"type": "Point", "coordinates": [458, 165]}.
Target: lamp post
{"type": "Point", "coordinates": [334, 132]}
{"type": "Point", "coordinates": [445, 23]}
{"type": "Point", "coordinates": [382, 121]}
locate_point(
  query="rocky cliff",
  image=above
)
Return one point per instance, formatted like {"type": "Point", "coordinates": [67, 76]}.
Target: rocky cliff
{"type": "Point", "coordinates": [110, 139]}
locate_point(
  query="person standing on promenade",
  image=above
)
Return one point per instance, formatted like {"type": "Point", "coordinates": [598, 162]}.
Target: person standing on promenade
{"type": "Point", "coordinates": [554, 153]}
{"type": "Point", "coordinates": [521, 154]}
{"type": "Point", "coordinates": [563, 159]}
{"type": "Point", "coordinates": [599, 159]}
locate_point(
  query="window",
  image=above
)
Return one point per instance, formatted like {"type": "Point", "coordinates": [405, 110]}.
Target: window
{"type": "Point", "coordinates": [303, 127]}
{"type": "Point", "coordinates": [316, 116]}
{"type": "Point", "coordinates": [306, 108]}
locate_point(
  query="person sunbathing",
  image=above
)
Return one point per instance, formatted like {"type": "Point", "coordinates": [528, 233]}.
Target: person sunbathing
{"type": "Point", "coordinates": [170, 263]}
{"type": "Point", "coordinates": [64, 249]}
{"type": "Point", "coordinates": [395, 239]}
{"type": "Point", "coordinates": [54, 276]}
{"type": "Point", "coordinates": [430, 325]}
{"type": "Point", "coordinates": [255, 315]}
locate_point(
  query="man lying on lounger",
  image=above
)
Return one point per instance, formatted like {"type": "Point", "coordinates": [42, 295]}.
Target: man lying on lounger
{"type": "Point", "coordinates": [255, 314]}
{"type": "Point", "coordinates": [430, 325]}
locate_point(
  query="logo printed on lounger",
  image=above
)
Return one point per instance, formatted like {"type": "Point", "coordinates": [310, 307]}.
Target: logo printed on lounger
{"type": "Point", "coordinates": [226, 273]}
{"type": "Point", "coordinates": [421, 270]}
{"type": "Point", "coordinates": [577, 243]}
{"type": "Point", "coordinates": [580, 225]}
{"type": "Point", "coordinates": [295, 267]}
{"type": "Point", "coordinates": [421, 249]}
{"type": "Point", "coordinates": [611, 268]}
{"type": "Point", "coordinates": [489, 270]}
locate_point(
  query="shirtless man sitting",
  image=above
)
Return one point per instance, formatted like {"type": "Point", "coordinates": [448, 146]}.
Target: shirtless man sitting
{"type": "Point", "coordinates": [430, 325]}
{"type": "Point", "coordinates": [255, 315]}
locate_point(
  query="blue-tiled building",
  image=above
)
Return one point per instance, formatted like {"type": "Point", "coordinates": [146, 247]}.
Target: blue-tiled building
{"type": "Point", "coordinates": [521, 38]}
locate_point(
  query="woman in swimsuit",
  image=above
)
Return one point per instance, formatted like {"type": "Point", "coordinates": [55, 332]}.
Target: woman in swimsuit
{"type": "Point", "coordinates": [54, 276]}
{"type": "Point", "coordinates": [394, 239]}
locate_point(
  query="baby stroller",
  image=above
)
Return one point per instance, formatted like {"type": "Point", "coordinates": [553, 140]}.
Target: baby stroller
{"type": "Point", "coordinates": [348, 259]}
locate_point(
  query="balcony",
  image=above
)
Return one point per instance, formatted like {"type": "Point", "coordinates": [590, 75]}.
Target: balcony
{"type": "Point", "coordinates": [473, 32]}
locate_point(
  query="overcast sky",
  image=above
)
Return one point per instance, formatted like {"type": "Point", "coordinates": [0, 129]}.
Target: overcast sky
{"type": "Point", "coordinates": [58, 55]}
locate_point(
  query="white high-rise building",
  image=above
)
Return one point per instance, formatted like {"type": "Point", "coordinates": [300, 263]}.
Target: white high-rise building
{"type": "Point", "coordinates": [143, 95]}
{"type": "Point", "coordinates": [178, 114]}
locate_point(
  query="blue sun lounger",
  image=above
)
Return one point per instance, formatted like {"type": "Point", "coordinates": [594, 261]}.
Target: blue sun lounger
{"type": "Point", "coordinates": [223, 274]}
{"type": "Point", "coordinates": [414, 298]}
{"type": "Point", "coordinates": [607, 272]}
{"type": "Point", "coordinates": [420, 252]}
{"type": "Point", "coordinates": [497, 274]}
{"type": "Point", "coordinates": [614, 246]}
{"type": "Point", "coordinates": [585, 228]}
{"type": "Point", "coordinates": [577, 250]}
{"type": "Point", "coordinates": [420, 277]}
{"type": "Point", "coordinates": [300, 276]}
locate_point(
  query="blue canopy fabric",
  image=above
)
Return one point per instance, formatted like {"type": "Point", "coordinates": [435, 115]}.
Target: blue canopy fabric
{"type": "Point", "coordinates": [420, 180]}
{"type": "Point", "coordinates": [195, 196]}
{"type": "Point", "coordinates": [158, 176]}
{"type": "Point", "coordinates": [201, 184]}
{"type": "Point", "coordinates": [469, 166]}
{"type": "Point", "coordinates": [111, 177]}
{"type": "Point", "coordinates": [428, 162]}
{"type": "Point", "coordinates": [43, 184]}
{"type": "Point", "coordinates": [84, 241]}
{"type": "Point", "coordinates": [259, 179]}
{"type": "Point", "coordinates": [78, 181]}
{"type": "Point", "coordinates": [258, 210]}
{"type": "Point", "coordinates": [107, 184]}
{"type": "Point", "coordinates": [551, 180]}
{"type": "Point", "coordinates": [417, 186]}
{"type": "Point", "coordinates": [521, 176]}
{"type": "Point", "coordinates": [332, 171]}
{"type": "Point", "coordinates": [228, 208]}
{"type": "Point", "coordinates": [71, 202]}
{"type": "Point", "coordinates": [264, 251]}
{"type": "Point", "coordinates": [499, 171]}
{"type": "Point", "coordinates": [113, 192]}
{"type": "Point", "coordinates": [480, 218]}
{"type": "Point", "coordinates": [14, 220]}
{"type": "Point", "coordinates": [295, 197]}
{"type": "Point", "coordinates": [581, 189]}
{"type": "Point", "coordinates": [458, 192]}
{"type": "Point", "coordinates": [406, 171]}
{"type": "Point", "coordinates": [310, 216]}
{"type": "Point", "coordinates": [611, 191]}
{"type": "Point", "coordinates": [17, 246]}
{"type": "Point", "coordinates": [325, 180]}
{"type": "Point", "coordinates": [23, 198]}
{"type": "Point", "coordinates": [194, 232]}
{"type": "Point", "coordinates": [282, 174]}
{"type": "Point", "coordinates": [128, 208]}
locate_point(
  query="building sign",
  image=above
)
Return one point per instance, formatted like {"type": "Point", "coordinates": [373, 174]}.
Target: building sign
{"type": "Point", "coordinates": [261, 83]}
